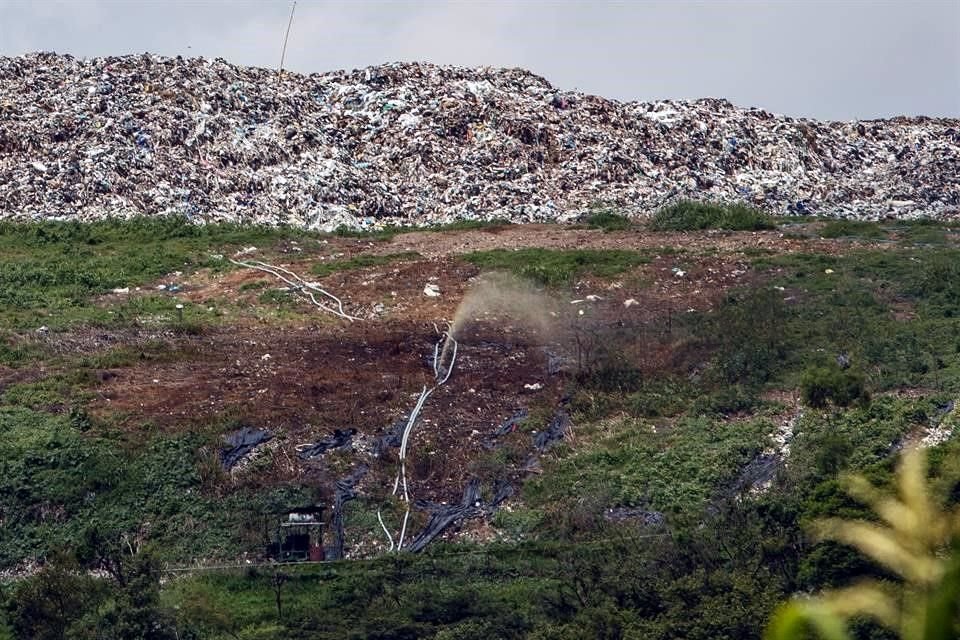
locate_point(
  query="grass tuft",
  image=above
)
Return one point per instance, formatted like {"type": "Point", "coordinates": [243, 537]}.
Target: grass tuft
{"type": "Point", "coordinates": [852, 228]}
{"type": "Point", "coordinates": [608, 220]}
{"type": "Point", "coordinates": [689, 215]}
{"type": "Point", "coordinates": [323, 269]}
{"type": "Point", "coordinates": [552, 267]}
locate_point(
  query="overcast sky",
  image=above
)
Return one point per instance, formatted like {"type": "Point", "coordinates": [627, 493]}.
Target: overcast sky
{"type": "Point", "coordinates": [833, 59]}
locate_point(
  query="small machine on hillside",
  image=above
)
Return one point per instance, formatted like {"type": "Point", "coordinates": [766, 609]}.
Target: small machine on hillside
{"type": "Point", "coordinates": [299, 535]}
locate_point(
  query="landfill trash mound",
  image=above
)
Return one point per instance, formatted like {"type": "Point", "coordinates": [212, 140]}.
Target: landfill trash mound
{"type": "Point", "coordinates": [417, 144]}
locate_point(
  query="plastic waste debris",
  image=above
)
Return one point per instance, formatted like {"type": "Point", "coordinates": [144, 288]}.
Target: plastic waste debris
{"type": "Point", "coordinates": [340, 438]}
{"type": "Point", "coordinates": [240, 443]}
{"type": "Point", "coordinates": [418, 144]}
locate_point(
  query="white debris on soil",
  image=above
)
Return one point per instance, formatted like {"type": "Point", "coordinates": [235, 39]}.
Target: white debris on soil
{"type": "Point", "coordinates": [940, 432]}
{"type": "Point", "coordinates": [765, 465]}
{"type": "Point", "coordinates": [412, 143]}
{"type": "Point", "coordinates": [23, 569]}
{"type": "Point", "coordinates": [431, 290]}
{"type": "Point", "coordinates": [248, 461]}
{"type": "Point", "coordinates": [780, 439]}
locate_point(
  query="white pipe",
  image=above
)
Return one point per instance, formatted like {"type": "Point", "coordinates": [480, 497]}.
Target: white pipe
{"type": "Point", "coordinates": [303, 283]}
{"type": "Point", "coordinates": [403, 529]}
{"type": "Point", "coordinates": [300, 285]}
{"type": "Point", "coordinates": [385, 530]}
{"type": "Point", "coordinates": [453, 358]}
{"type": "Point", "coordinates": [401, 479]}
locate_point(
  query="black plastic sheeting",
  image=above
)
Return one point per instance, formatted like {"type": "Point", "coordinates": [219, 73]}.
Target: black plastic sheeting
{"type": "Point", "coordinates": [555, 431]}
{"type": "Point", "coordinates": [340, 438]}
{"type": "Point", "coordinates": [345, 491]}
{"type": "Point", "coordinates": [391, 438]}
{"type": "Point", "coordinates": [511, 423]}
{"type": "Point", "coordinates": [508, 426]}
{"type": "Point", "coordinates": [240, 443]}
{"type": "Point", "coordinates": [442, 516]}
{"type": "Point", "coordinates": [759, 471]}
{"type": "Point", "coordinates": [642, 516]}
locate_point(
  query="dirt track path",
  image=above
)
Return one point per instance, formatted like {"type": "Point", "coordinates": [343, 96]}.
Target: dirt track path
{"type": "Point", "coordinates": [437, 244]}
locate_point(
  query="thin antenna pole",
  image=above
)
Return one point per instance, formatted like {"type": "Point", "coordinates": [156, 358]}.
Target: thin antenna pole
{"type": "Point", "coordinates": [283, 53]}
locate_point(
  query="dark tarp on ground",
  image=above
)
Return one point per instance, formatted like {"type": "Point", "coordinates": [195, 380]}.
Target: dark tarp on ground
{"type": "Point", "coordinates": [554, 432]}
{"type": "Point", "coordinates": [240, 443]}
{"type": "Point", "coordinates": [340, 438]}
{"type": "Point", "coordinates": [443, 516]}
{"type": "Point", "coordinates": [756, 473]}
{"type": "Point", "coordinates": [391, 437]}
{"type": "Point", "coordinates": [642, 516]}
{"type": "Point", "coordinates": [345, 491]}
{"type": "Point", "coordinates": [508, 426]}
{"type": "Point", "coordinates": [511, 423]}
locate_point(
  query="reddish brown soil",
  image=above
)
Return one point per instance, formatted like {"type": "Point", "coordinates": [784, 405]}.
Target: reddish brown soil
{"type": "Point", "coordinates": [433, 244]}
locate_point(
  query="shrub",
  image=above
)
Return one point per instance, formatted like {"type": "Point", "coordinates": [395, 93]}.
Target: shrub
{"type": "Point", "coordinates": [660, 396]}
{"type": "Point", "coordinates": [748, 333]}
{"type": "Point", "coordinates": [608, 220]}
{"type": "Point", "coordinates": [914, 539]}
{"type": "Point", "coordinates": [726, 401]}
{"type": "Point", "coordinates": [689, 215]}
{"type": "Point", "coordinates": [611, 377]}
{"type": "Point", "coordinates": [937, 283]}
{"type": "Point", "coordinates": [822, 385]}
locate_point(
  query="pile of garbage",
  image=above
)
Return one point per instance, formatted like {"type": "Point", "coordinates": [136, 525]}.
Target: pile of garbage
{"type": "Point", "coordinates": [423, 144]}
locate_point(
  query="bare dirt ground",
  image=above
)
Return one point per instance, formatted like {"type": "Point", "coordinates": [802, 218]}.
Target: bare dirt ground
{"type": "Point", "coordinates": [434, 244]}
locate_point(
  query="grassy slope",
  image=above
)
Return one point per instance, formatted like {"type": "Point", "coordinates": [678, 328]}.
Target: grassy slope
{"type": "Point", "coordinates": [675, 444]}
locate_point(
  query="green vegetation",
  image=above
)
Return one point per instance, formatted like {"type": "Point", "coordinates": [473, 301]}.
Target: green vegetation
{"type": "Point", "coordinates": [923, 232]}
{"type": "Point", "coordinates": [890, 310]}
{"type": "Point", "coordinates": [689, 215]}
{"type": "Point", "coordinates": [822, 385]}
{"type": "Point", "coordinates": [58, 477]}
{"type": "Point", "coordinates": [608, 220]}
{"type": "Point", "coordinates": [634, 463]}
{"type": "Point", "coordinates": [852, 228]}
{"type": "Point", "coordinates": [323, 269]}
{"type": "Point", "coordinates": [552, 267]}
{"type": "Point", "coordinates": [468, 225]}
{"type": "Point", "coordinates": [917, 540]}
{"type": "Point", "coordinates": [50, 271]}
{"type": "Point", "coordinates": [748, 336]}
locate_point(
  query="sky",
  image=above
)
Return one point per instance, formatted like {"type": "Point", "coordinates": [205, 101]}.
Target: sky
{"type": "Point", "coordinates": [837, 60]}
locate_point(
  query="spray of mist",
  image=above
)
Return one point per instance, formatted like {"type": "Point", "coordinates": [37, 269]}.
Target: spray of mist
{"type": "Point", "coordinates": [507, 299]}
